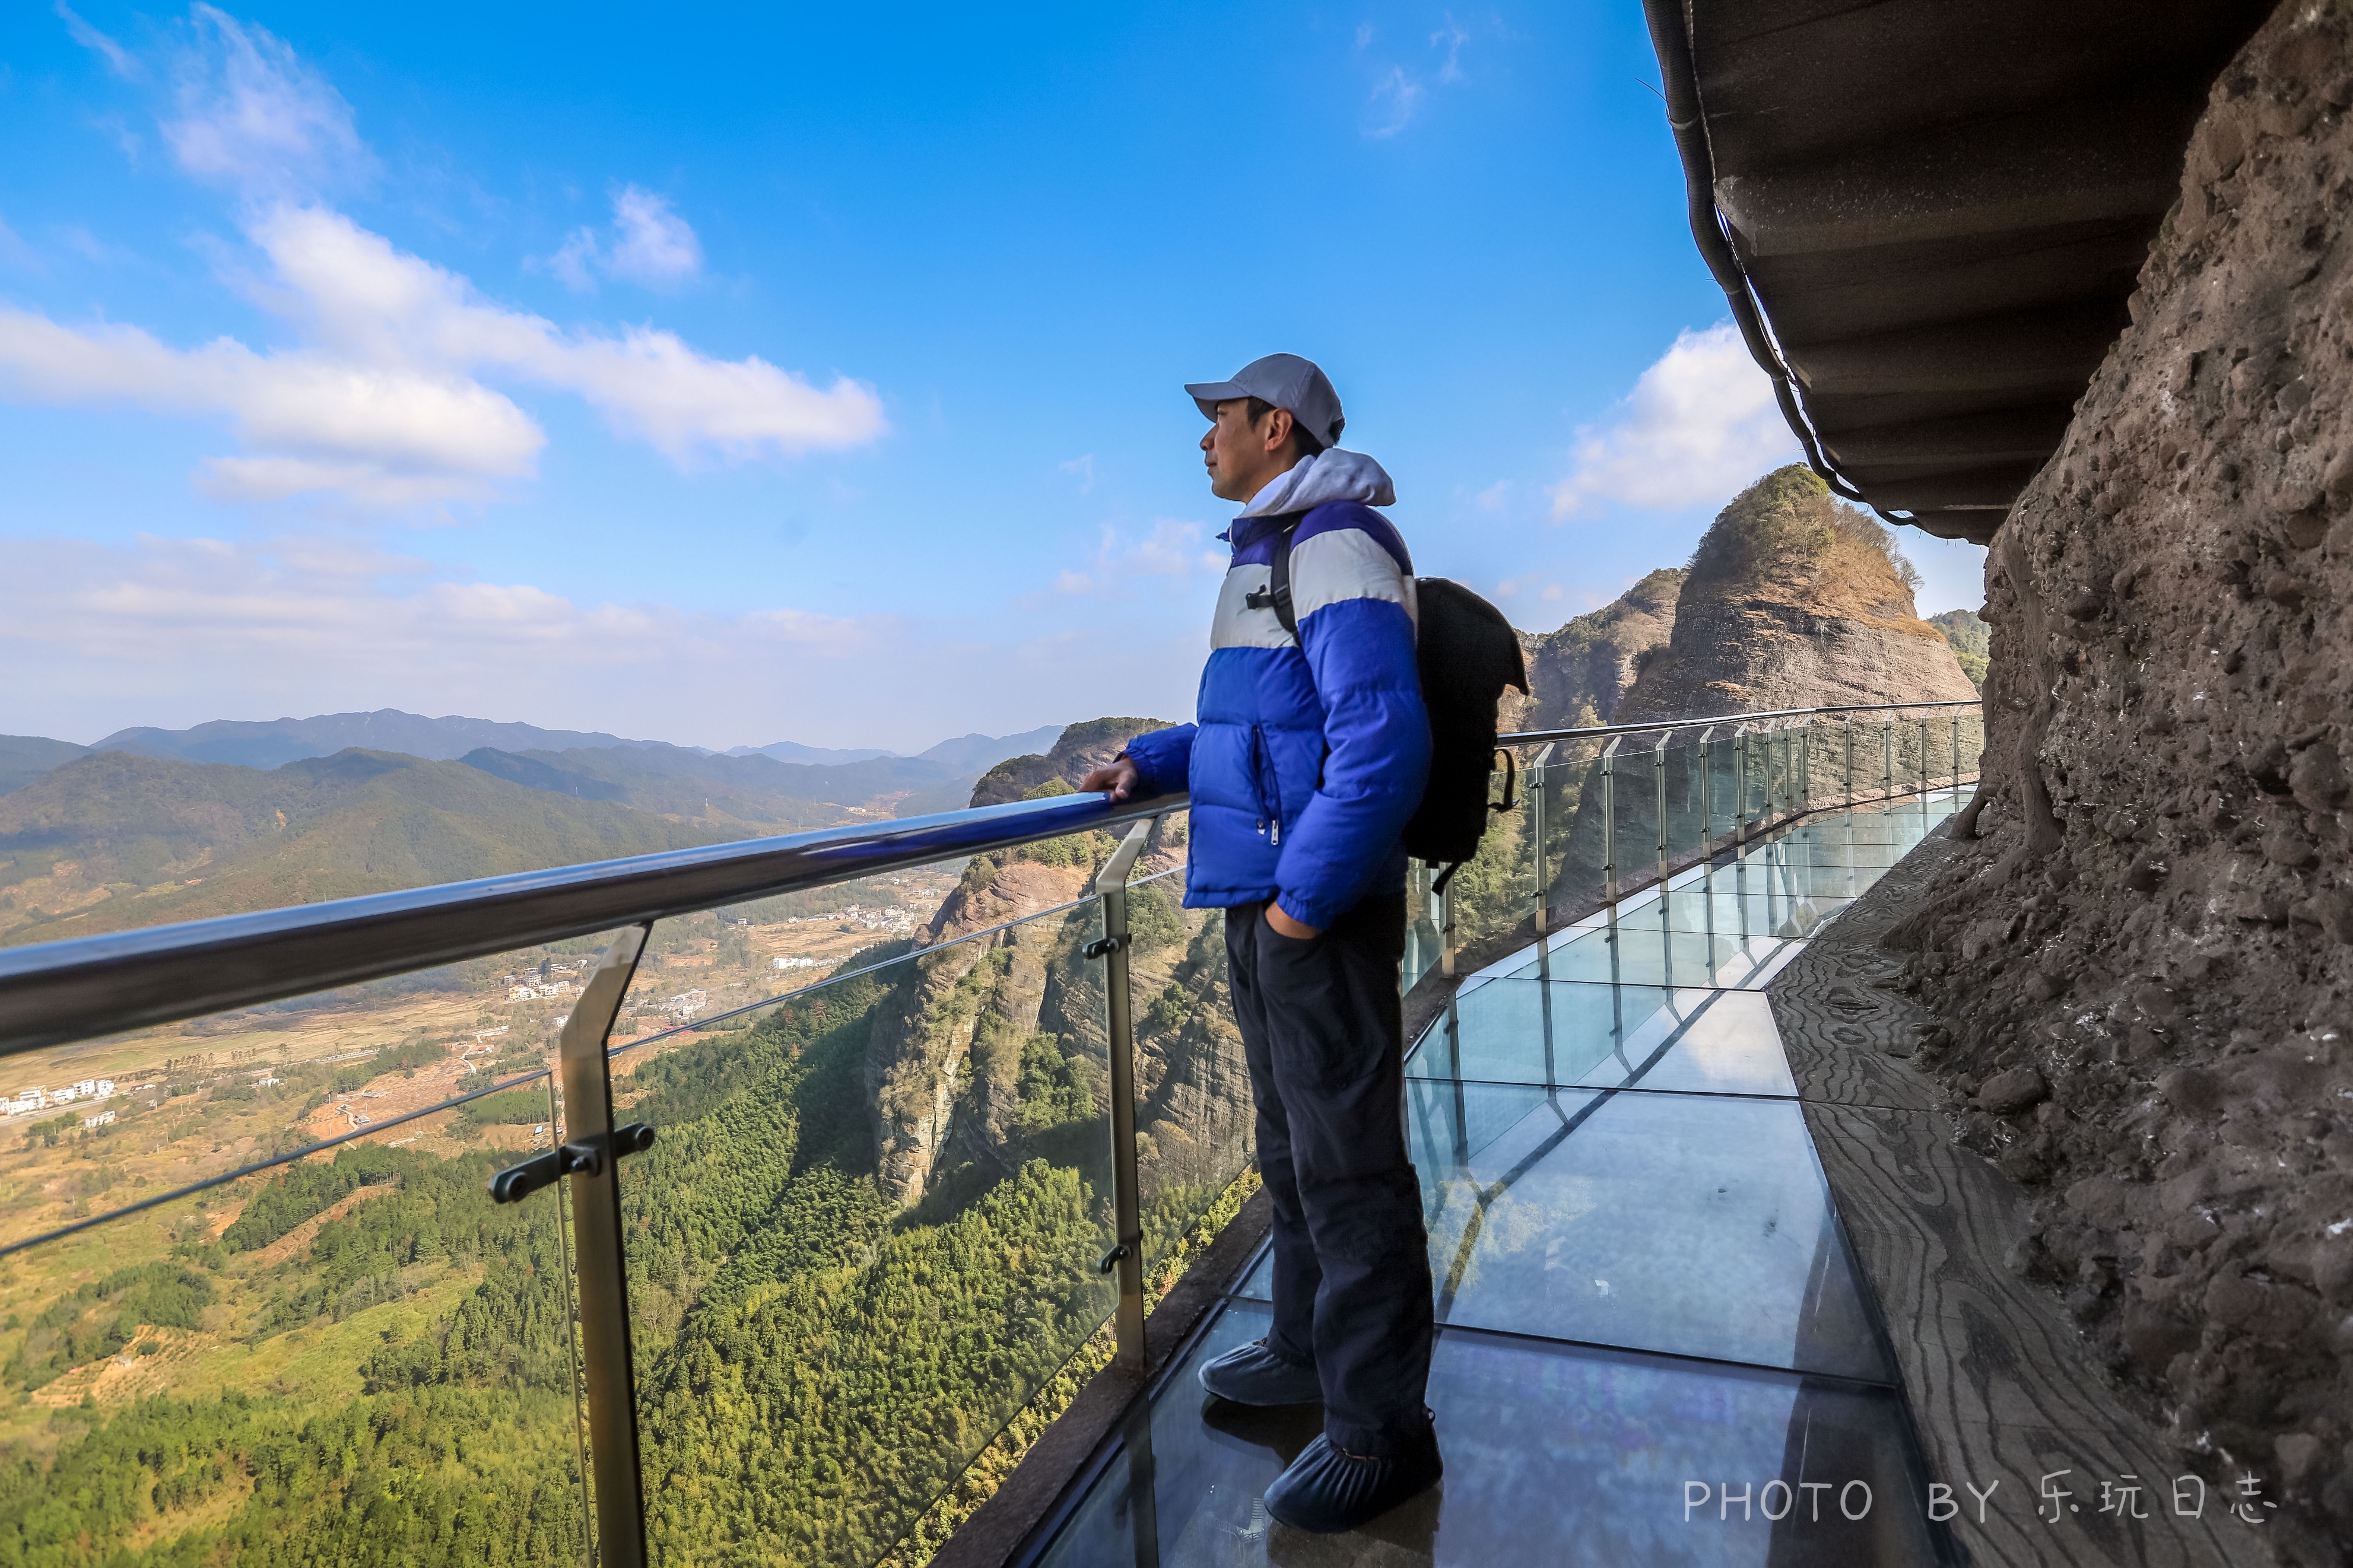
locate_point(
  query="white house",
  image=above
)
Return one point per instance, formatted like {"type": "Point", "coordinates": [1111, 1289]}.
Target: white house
{"type": "Point", "coordinates": [103, 1119]}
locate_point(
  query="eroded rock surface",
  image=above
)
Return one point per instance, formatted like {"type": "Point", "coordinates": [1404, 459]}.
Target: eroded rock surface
{"type": "Point", "coordinates": [998, 1047]}
{"type": "Point", "coordinates": [1578, 675]}
{"type": "Point", "coordinates": [2155, 920]}
{"type": "Point", "coordinates": [1793, 599]}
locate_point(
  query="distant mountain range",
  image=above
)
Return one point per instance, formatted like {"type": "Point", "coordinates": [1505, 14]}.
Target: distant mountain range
{"type": "Point", "coordinates": [157, 827]}
{"type": "Point", "coordinates": [274, 743]}
{"type": "Point", "coordinates": [114, 839]}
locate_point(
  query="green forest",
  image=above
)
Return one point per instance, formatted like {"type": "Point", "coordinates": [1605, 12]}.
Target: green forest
{"type": "Point", "coordinates": [815, 1365]}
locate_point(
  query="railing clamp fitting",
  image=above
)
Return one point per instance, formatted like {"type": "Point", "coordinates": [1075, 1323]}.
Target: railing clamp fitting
{"type": "Point", "coordinates": [1102, 947]}
{"type": "Point", "coordinates": [585, 1158]}
{"type": "Point", "coordinates": [1113, 1258]}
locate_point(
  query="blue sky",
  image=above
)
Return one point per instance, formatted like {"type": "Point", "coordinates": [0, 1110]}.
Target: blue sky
{"type": "Point", "coordinates": [807, 372]}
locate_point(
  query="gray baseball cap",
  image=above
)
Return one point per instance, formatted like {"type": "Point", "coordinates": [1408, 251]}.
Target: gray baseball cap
{"type": "Point", "coordinates": [1287, 381]}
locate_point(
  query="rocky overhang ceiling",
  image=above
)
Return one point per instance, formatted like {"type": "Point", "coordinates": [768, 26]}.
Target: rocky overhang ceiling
{"type": "Point", "coordinates": [1928, 217]}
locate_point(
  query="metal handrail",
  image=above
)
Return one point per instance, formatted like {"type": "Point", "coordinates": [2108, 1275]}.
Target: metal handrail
{"type": "Point", "coordinates": [57, 992]}
{"type": "Point", "coordinates": [1599, 731]}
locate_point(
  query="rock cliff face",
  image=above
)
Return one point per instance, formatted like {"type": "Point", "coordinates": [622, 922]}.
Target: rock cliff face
{"type": "Point", "coordinates": [1793, 599]}
{"type": "Point", "coordinates": [1966, 631]}
{"type": "Point", "coordinates": [1082, 749]}
{"type": "Point", "coordinates": [1578, 675]}
{"type": "Point", "coordinates": [1000, 1042]}
{"type": "Point", "coordinates": [2146, 955]}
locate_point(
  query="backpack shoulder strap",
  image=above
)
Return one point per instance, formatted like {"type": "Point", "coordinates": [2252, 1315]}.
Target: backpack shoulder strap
{"type": "Point", "coordinates": [1276, 595]}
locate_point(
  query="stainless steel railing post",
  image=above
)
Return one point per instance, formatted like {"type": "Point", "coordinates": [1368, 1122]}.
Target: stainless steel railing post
{"type": "Point", "coordinates": [1706, 792]}
{"type": "Point", "coordinates": [1534, 791]}
{"type": "Point", "coordinates": [1126, 1185]}
{"type": "Point", "coordinates": [603, 1282]}
{"type": "Point", "coordinates": [1740, 787]}
{"type": "Point", "coordinates": [1848, 721]}
{"type": "Point", "coordinates": [1924, 762]}
{"type": "Point", "coordinates": [1609, 820]}
{"type": "Point", "coordinates": [1887, 744]}
{"type": "Point", "coordinates": [1956, 750]}
{"type": "Point", "coordinates": [1446, 947]}
{"type": "Point", "coordinates": [1659, 770]}
{"type": "Point", "coordinates": [572, 1335]}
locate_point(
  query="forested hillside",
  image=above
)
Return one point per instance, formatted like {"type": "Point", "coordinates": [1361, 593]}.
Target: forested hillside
{"type": "Point", "coordinates": [755, 791]}
{"type": "Point", "coordinates": [110, 840]}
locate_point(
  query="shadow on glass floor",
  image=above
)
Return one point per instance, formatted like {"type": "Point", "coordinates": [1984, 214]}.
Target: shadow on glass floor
{"type": "Point", "coordinates": [1554, 1455]}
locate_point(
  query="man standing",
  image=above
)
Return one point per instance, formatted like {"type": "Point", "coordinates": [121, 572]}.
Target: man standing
{"type": "Point", "coordinates": [1308, 756]}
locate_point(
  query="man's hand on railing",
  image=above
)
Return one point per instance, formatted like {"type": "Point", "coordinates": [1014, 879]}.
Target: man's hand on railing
{"type": "Point", "coordinates": [1117, 778]}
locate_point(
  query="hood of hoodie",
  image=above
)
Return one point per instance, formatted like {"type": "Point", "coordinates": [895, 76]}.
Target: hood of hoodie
{"type": "Point", "coordinates": [1330, 475]}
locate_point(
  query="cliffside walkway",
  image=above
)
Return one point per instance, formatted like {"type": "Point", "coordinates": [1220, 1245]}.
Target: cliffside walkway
{"type": "Point", "coordinates": [1655, 1346]}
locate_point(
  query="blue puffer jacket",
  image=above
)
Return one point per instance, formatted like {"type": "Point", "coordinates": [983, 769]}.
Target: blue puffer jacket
{"type": "Point", "coordinates": [1309, 754]}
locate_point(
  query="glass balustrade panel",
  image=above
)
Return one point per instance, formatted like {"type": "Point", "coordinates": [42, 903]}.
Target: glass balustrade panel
{"type": "Point", "coordinates": [256, 1304]}
{"type": "Point", "coordinates": [1640, 775]}
{"type": "Point", "coordinates": [1491, 896]}
{"type": "Point", "coordinates": [1694, 829]}
{"type": "Point", "coordinates": [863, 1253]}
{"type": "Point", "coordinates": [1972, 742]}
{"type": "Point", "coordinates": [1425, 928]}
{"type": "Point", "coordinates": [1195, 1126]}
{"type": "Point", "coordinates": [1576, 846]}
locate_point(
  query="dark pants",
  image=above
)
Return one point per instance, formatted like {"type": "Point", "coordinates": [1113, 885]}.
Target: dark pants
{"type": "Point", "coordinates": [1324, 1035]}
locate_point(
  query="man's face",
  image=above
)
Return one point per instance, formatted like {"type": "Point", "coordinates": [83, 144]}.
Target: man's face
{"type": "Point", "coordinates": [1244, 459]}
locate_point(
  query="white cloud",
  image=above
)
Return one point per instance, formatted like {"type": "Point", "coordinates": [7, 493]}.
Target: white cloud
{"type": "Point", "coordinates": [335, 605]}
{"type": "Point", "coordinates": [1084, 467]}
{"type": "Point", "coordinates": [1450, 37]}
{"type": "Point", "coordinates": [380, 403]}
{"type": "Point", "coordinates": [1395, 98]}
{"type": "Point", "coordinates": [381, 435]}
{"type": "Point", "coordinates": [575, 262]}
{"type": "Point", "coordinates": [1699, 425]}
{"type": "Point", "coordinates": [657, 248]}
{"type": "Point", "coordinates": [175, 632]}
{"type": "Point", "coordinates": [652, 246]}
{"type": "Point", "coordinates": [118, 60]}
{"type": "Point", "coordinates": [1552, 594]}
{"type": "Point", "coordinates": [1171, 552]}
{"type": "Point", "coordinates": [1398, 92]}
{"type": "Point", "coordinates": [255, 118]}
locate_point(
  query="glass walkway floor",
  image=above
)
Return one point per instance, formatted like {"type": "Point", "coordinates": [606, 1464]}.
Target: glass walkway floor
{"type": "Point", "coordinates": [1653, 1346]}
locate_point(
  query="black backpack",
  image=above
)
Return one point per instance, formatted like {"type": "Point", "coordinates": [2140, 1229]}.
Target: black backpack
{"type": "Point", "coordinates": [1467, 653]}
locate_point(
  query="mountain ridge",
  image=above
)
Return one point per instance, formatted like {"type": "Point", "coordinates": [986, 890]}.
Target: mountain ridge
{"type": "Point", "coordinates": [270, 744]}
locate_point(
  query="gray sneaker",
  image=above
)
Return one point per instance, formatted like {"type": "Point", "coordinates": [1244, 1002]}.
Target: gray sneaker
{"type": "Point", "coordinates": [1254, 1374]}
